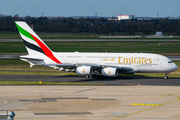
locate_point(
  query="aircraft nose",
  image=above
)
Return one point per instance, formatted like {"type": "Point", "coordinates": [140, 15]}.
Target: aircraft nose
{"type": "Point", "coordinates": [175, 67]}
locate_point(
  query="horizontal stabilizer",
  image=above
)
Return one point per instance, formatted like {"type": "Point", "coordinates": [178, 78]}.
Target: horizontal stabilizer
{"type": "Point", "coordinates": [32, 61]}
{"type": "Point", "coordinates": [35, 59]}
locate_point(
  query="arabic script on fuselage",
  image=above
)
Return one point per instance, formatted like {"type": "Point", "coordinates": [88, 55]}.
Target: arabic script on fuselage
{"type": "Point", "coordinates": [107, 59]}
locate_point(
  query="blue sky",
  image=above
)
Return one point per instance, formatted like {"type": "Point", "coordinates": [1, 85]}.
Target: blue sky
{"type": "Point", "coordinates": [106, 8]}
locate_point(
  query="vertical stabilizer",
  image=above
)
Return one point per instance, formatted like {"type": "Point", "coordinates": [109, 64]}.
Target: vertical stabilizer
{"type": "Point", "coordinates": [34, 45]}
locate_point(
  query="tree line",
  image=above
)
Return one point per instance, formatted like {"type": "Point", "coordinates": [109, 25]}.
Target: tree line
{"type": "Point", "coordinates": [92, 25]}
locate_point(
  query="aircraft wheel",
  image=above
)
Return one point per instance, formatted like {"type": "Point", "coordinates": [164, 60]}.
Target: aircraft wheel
{"type": "Point", "coordinates": [89, 76]}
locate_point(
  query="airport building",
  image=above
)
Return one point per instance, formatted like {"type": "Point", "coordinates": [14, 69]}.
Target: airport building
{"type": "Point", "coordinates": [126, 17]}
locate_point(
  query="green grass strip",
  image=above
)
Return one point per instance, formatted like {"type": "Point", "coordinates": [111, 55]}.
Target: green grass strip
{"type": "Point", "coordinates": [44, 83]}
{"type": "Point", "coordinates": [36, 73]}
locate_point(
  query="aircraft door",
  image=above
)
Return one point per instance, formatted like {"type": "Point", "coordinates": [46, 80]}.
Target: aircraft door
{"type": "Point", "coordinates": [83, 58]}
{"type": "Point", "coordinates": [63, 57]}
{"type": "Point", "coordinates": [161, 64]}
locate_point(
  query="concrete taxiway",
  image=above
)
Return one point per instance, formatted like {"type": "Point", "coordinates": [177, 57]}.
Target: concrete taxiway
{"type": "Point", "coordinates": [128, 98]}
{"type": "Point", "coordinates": [91, 102]}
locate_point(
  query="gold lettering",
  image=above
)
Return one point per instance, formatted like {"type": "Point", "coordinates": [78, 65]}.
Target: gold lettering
{"type": "Point", "coordinates": [139, 61]}
{"type": "Point", "coordinates": [120, 58]}
{"type": "Point", "coordinates": [150, 59]}
{"type": "Point", "coordinates": [146, 60]}
{"type": "Point", "coordinates": [107, 59]}
{"type": "Point", "coordinates": [142, 60]}
{"type": "Point", "coordinates": [135, 60]}
{"type": "Point", "coordinates": [128, 60]}
{"type": "Point", "coordinates": [132, 60]}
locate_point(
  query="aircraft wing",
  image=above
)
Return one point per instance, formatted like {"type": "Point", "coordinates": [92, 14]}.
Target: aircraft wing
{"type": "Point", "coordinates": [95, 66]}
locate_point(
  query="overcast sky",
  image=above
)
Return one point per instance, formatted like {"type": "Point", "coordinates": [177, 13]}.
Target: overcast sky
{"type": "Point", "coordinates": [105, 8]}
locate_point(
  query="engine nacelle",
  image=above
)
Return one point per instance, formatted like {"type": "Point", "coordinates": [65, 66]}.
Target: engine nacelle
{"type": "Point", "coordinates": [84, 70]}
{"type": "Point", "coordinates": [109, 72]}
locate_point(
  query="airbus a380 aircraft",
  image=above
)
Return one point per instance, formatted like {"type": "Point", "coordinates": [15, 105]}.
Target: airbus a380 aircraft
{"type": "Point", "coordinates": [87, 64]}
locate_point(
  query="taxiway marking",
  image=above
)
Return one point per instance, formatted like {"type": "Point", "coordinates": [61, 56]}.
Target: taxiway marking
{"type": "Point", "coordinates": [178, 98]}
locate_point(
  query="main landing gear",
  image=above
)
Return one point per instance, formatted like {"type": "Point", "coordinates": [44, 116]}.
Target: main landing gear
{"type": "Point", "coordinates": [166, 76]}
{"type": "Point", "coordinates": [92, 76]}
{"type": "Point", "coordinates": [89, 76]}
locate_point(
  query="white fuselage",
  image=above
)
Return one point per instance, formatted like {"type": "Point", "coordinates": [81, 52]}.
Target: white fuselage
{"type": "Point", "coordinates": [138, 62]}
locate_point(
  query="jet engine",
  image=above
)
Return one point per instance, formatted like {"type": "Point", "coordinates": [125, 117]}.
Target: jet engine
{"type": "Point", "coordinates": [84, 70]}
{"type": "Point", "coordinates": [109, 72]}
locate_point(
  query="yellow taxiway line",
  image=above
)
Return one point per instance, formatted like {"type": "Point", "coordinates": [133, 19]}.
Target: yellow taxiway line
{"type": "Point", "coordinates": [178, 98]}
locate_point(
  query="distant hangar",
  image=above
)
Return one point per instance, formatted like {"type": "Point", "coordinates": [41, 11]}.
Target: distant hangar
{"type": "Point", "coordinates": [126, 17]}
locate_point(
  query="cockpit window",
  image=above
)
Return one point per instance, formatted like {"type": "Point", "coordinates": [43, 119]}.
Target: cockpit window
{"type": "Point", "coordinates": [170, 62]}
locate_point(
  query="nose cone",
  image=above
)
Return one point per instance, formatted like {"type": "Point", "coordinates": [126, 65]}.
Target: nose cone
{"type": "Point", "coordinates": [175, 67]}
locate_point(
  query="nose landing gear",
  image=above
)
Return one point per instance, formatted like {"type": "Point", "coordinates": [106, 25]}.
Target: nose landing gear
{"type": "Point", "coordinates": [166, 76]}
